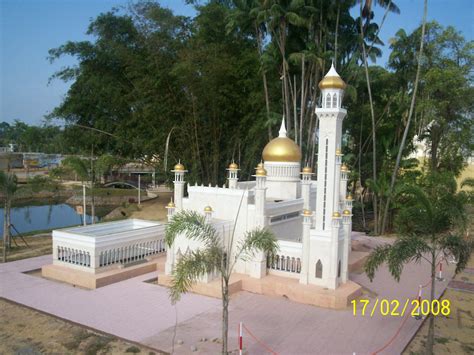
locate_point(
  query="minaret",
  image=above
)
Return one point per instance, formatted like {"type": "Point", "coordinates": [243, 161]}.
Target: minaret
{"type": "Point", "coordinates": [233, 170]}
{"type": "Point", "coordinates": [343, 186]}
{"type": "Point", "coordinates": [347, 225]}
{"type": "Point", "coordinates": [179, 183]}
{"type": "Point", "coordinates": [307, 221]}
{"type": "Point", "coordinates": [208, 213]}
{"type": "Point", "coordinates": [169, 265]}
{"type": "Point", "coordinates": [306, 186]}
{"type": "Point", "coordinates": [258, 263]}
{"type": "Point", "coordinates": [330, 115]}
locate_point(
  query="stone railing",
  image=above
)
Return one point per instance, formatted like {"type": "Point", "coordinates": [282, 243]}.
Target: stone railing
{"type": "Point", "coordinates": [287, 261]}
{"type": "Point", "coordinates": [102, 246]}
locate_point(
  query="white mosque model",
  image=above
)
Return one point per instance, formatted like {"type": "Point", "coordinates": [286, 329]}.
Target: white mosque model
{"type": "Point", "coordinates": [312, 219]}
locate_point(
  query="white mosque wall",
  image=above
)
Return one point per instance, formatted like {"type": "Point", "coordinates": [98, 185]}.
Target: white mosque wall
{"type": "Point", "coordinates": [287, 261]}
{"type": "Point", "coordinates": [100, 247]}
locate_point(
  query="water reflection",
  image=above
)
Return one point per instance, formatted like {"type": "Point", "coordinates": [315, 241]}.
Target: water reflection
{"type": "Point", "coordinates": [36, 218]}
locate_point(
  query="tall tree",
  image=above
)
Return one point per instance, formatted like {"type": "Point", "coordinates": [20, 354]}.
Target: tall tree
{"type": "Point", "coordinates": [219, 254]}
{"type": "Point", "coordinates": [430, 223]}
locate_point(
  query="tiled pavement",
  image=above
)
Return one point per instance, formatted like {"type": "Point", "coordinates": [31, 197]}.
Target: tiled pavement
{"type": "Point", "coordinates": [141, 312]}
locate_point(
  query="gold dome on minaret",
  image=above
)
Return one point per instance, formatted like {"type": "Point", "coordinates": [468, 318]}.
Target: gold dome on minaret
{"type": "Point", "coordinates": [332, 80]}
{"type": "Point", "coordinates": [282, 148]}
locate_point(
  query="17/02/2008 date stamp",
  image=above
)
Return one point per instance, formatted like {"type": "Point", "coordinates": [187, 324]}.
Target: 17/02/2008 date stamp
{"type": "Point", "coordinates": [395, 308]}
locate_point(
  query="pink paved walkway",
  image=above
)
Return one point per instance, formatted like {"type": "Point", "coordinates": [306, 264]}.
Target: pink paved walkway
{"type": "Point", "coordinates": [142, 312]}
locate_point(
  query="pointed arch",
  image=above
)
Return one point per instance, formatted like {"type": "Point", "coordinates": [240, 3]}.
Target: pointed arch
{"type": "Point", "coordinates": [334, 100]}
{"type": "Point", "coordinates": [319, 269]}
{"type": "Point", "coordinates": [328, 100]}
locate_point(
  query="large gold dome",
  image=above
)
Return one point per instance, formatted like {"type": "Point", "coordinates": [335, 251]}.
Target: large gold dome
{"type": "Point", "coordinates": [282, 149]}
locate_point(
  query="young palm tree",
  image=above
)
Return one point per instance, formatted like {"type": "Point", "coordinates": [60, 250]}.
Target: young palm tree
{"type": "Point", "coordinates": [8, 187]}
{"type": "Point", "coordinates": [427, 219]}
{"type": "Point", "coordinates": [217, 254]}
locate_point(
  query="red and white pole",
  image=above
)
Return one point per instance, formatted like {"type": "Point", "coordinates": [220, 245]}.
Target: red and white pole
{"type": "Point", "coordinates": [240, 338]}
{"type": "Point", "coordinates": [441, 270]}
{"type": "Point", "coordinates": [418, 315]}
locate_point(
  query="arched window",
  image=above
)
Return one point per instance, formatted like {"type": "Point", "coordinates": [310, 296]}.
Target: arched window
{"type": "Point", "coordinates": [319, 270]}
{"type": "Point", "coordinates": [328, 100]}
{"type": "Point", "coordinates": [334, 100]}
{"type": "Point", "coordinates": [339, 269]}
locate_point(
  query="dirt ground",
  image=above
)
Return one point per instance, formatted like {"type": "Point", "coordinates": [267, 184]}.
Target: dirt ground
{"type": "Point", "coordinates": [25, 331]}
{"type": "Point", "coordinates": [37, 246]}
{"type": "Point", "coordinates": [454, 334]}
{"type": "Point", "coordinates": [153, 209]}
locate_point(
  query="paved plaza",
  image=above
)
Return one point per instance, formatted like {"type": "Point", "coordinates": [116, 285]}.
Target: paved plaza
{"type": "Point", "coordinates": [141, 312]}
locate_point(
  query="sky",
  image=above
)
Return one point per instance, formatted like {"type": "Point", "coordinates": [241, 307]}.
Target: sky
{"type": "Point", "coordinates": [29, 28]}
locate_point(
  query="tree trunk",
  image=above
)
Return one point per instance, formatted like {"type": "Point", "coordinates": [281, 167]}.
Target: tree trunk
{"type": "Point", "coordinates": [407, 127]}
{"type": "Point", "coordinates": [430, 340]}
{"type": "Point", "coordinates": [372, 115]}
{"type": "Point", "coordinates": [225, 314]}
{"type": "Point", "coordinates": [5, 233]}
{"type": "Point", "coordinates": [336, 32]}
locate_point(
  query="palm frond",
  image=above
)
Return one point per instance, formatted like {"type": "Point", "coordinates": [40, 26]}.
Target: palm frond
{"type": "Point", "coordinates": [190, 267]}
{"type": "Point", "coordinates": [192, 225]}
{"type": "Point", "coordinates": [261, 239]}
{"type": "Point", "coordinates": [405, 249]}
{"type": "Point", "coordinates": [458, 247]}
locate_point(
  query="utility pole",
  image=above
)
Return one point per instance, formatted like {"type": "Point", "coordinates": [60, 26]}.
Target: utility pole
{"type": "Point", "coordinates": [139, 190]}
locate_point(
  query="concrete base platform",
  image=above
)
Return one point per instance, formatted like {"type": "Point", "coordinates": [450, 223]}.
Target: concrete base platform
{"type": "Point", "coordinates": [92, 281]}
{"type": "Point", "coordinates": [272, 285]}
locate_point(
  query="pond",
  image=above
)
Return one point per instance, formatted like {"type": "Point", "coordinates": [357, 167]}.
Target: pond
{"type": "Point", "coordinates": [38, 218]}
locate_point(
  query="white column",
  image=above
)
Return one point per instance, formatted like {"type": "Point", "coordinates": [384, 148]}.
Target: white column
{"type": "Point", "coordinates": [307, 220]}
{"type": "Point", "coordinates": [306, 186]}
{"type": "Point", "coordinates": [258, 264]}
{"type": "Point", "coordinates": [179, 182]}
{"type": "Point", "coordinates": [346, 222]}
{"type": "Point", "coordinates": [332, 281]}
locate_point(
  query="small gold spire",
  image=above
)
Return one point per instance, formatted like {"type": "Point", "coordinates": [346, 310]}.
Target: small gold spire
{"type": "Point", "coordinates": [233, 166]}
{"type": "Point", "coordinates": [179, 166]}
{"type": "Point", "coordinates": [344, 168]}
{"type": "Point", "coordinates": [171, 204]}
{"type": "Point", "coordinates": [307, 170]}
{"type": "Point", "coordinates": [346, 213]}
{"type": "Point", "coordinates": [349, 197]}
{"type": "Point", "coordinates": [261, 172]}
{"type": "Point", "coordinates": [336, 215]}
{"type": "Point", "coordinates": [338, 151]}
{"type": "Point", "coordinates": [208, 209]}
{"type": "Point", "coordinates": [307, 213]}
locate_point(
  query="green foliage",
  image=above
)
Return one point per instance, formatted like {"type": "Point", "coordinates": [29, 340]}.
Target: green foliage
{"type": "Point", "coordinates": [215, 255]}
{"type": "Point", "coordinates": [431, 220]}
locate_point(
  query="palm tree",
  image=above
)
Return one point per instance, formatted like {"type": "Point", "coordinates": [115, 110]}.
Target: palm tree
{"type": "Point", "coordinates": [8, 187]}
{"type": "Point", "coordinates": [427, 221]}
{"type": "Point", "coordinates": [217, 255]}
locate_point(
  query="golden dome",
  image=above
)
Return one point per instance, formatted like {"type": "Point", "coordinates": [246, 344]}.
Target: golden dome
{"type": "Point", "coordinates": [307, 213]}
{"type": "Point", "coordinates": [179, 167]}
{"type": "Point", "coordinates": [307, 170]}
{"type": "Point", "coordinates": [261, 172]}
{"type": "Point", "coordinates": [346, 213]}
{"type": "Point", "coordinates": [349, 197]}
{"type": "Point", "coordinates": [344, 168]}
{"type": "Point", "coordinates": [336, 215]}
{"type": "Point", "coordinates": [332, 80]}
{"type": "Point", "coordinates": [233, 166]}
{"type": "Point", "coordinates": [208, 209]}
{"type": "Point", "coordinates": [259, 165]}
{"type": "Point", "coordinates": [170, 204]}
{"type": "Point", "coordinates": [282, 149]}
{"type": "Point", "coordinates": [338, 152]}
